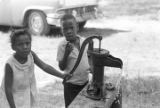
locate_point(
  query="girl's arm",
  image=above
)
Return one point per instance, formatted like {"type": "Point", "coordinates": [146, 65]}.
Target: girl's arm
{"type": "Point", "coordinates": [47, 68]}
{"type": "Point", "coordinates": [8, 85]}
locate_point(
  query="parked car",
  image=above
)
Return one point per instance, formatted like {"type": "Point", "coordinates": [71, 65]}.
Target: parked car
{"type": "Point", "coordinates": [40, 15]}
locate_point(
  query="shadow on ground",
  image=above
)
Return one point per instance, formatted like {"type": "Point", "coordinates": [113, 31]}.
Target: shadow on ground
{"type": "Point", "coordinates": [55, 32]}
{"type": "Point", "coordinates": [105, 32]}
{"type": "Point", "coordinates": [4, 29]}
{"type": "Point", "coordinates": [86, 32]}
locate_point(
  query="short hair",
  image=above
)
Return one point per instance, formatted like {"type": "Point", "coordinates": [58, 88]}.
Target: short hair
{"type": "Point", "coordinates": [67, 17]}
{"type": "Point", "coordinates": [16, 34]}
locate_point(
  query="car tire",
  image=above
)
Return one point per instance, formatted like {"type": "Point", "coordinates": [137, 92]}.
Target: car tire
{"type": "Point", "coordinates": [37, 23]}
{"type": "Point", "coordinates": [81, 25]}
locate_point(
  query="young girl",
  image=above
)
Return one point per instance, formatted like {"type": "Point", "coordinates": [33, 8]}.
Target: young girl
{"type": "Point", "coordinates": [19, 84]}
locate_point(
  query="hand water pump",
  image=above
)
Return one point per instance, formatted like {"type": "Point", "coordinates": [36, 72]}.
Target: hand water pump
{"type": "Point", "coordinates": [99, 58]}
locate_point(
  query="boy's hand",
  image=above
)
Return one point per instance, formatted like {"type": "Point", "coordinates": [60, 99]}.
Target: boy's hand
{"type": "Point", "coordinates": [69, 48]}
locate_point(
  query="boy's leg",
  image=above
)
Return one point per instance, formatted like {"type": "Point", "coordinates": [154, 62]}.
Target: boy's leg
{"type": "Point", "coordinates": [70, 92]}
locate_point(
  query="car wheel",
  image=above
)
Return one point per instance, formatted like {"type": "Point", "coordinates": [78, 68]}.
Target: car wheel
{"type": "Point", "coordinates": [81, 25]}
{"type": "Point", "coordinates": [37, 23]}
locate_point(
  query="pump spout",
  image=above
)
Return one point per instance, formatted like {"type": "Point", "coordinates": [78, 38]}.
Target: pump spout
{"type": "Point", "coordinates": [103, 58]}
{"type": "Point", "coordinates": [113, 62]}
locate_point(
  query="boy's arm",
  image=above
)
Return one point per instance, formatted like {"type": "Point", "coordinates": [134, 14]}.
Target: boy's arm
{"type": "Point", "coordinates": [63, 62]}
{"type": "Point", "coordinates": [47, 68]}
{"type": "Point", "coordinates": [8, 85]}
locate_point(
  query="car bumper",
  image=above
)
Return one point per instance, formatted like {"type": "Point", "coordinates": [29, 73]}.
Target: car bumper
{"type": "Point", "coordinates": [54, 19]}
{"type": "Point", "coordinates": [85, 17]}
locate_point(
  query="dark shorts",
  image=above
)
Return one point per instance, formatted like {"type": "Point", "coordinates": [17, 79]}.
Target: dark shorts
{"type": "Point", "coordinates": [71, 91]}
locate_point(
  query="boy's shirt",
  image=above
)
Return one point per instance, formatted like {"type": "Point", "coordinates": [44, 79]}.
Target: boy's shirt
{"type": "Point", "coordinates": [80, 76]}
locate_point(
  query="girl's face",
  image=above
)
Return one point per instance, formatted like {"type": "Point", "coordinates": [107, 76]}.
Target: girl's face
{"type": "Point", "coordinates": [22, 46]}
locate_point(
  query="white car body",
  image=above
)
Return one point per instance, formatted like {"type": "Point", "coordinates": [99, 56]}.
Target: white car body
{"type": "Point", "coordinates": [16, 12]}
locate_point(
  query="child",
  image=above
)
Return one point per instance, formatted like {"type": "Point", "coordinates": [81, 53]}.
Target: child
{"type": "Point", "coordinates": [68, 51]}
{"type": "Point", "coordinates": [19, 83]}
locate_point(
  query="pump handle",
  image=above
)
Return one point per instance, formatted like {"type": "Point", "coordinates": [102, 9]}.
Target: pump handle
{"type": "Point", "coordinates": [85, 42]}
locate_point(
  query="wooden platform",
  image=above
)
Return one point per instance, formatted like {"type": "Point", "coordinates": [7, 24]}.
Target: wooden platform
{"type": "Point", "coordinates": [81, 101]}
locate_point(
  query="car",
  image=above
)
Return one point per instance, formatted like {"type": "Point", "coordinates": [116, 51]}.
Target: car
{"type": "Point", "coordinates": [39, 15]}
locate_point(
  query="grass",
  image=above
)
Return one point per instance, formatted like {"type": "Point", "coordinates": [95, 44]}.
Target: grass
{"type": "Point", "coordinates": [141, 92]}
{"type": "Point", "coordinates": [51, 95]}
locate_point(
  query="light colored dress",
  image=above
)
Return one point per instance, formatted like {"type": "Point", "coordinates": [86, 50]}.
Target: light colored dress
{"type": "Point", "coordinates": [24, 84]}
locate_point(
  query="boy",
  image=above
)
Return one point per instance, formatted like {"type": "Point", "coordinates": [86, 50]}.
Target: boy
{"type": "Point", "coordinates": [68, 51]}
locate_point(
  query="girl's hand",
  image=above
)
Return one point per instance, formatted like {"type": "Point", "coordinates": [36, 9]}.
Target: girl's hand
{"type": "Point", "coordinates": [67, 76]}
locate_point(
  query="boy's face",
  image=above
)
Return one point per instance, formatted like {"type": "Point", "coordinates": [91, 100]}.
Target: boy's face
{"type": "Point", "coordinates": [69, 29]}
{"type": "Point", "coordinates": [22, 46]}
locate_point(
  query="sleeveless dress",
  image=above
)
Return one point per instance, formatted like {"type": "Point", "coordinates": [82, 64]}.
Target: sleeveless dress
{"type": "Point", "coordinates": [24, 88]}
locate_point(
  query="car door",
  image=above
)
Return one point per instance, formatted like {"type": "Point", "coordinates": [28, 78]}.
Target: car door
{"type": "Point", "coordinates": [5, 12]}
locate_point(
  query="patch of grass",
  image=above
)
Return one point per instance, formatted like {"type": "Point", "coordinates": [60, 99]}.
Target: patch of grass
{"type": "Point", "coordinates": [141, 92]}
{"type": "Point", "coordinates": [51, 96]}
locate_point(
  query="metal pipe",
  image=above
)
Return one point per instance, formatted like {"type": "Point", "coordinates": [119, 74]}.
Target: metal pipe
{"type": "Point", "coordinates": [99, 45]}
